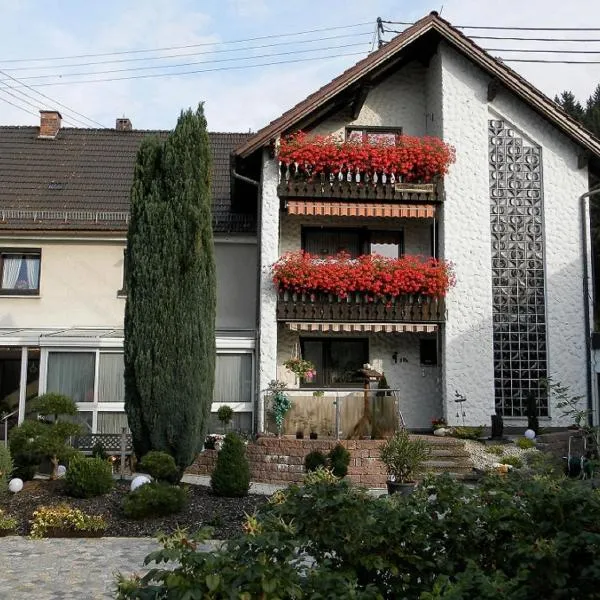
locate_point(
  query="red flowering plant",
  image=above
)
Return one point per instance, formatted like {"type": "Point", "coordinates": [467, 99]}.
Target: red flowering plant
{"type": "Point", "coordinates": [410, 159]}
{"type": "Point", "coordinates": [379, 277]}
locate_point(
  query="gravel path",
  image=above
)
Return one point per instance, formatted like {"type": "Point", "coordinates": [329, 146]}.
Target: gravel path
{"type": "Point", "coordinates": [68, 569]}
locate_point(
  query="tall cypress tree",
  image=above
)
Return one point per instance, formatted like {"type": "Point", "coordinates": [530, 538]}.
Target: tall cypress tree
{"type": "Point", "coordinates": [171, 293]}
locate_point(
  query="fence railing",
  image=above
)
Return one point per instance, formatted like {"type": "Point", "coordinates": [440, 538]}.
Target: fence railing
{"type": "Point", "coordinates": [339, 413]}
{"type": "Point", "coordinates": [4, 421]}
{"type": "Point", "coordinates": [355, 307]}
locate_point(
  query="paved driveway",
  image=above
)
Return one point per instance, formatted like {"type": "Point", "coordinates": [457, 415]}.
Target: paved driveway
{"type": "Point", "coordinates": [68, 569]}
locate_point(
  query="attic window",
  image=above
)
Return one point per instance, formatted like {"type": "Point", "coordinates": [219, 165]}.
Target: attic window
{"type": "Point", "coordinates": [373, 134]}
{"type": "Point", "coordinates": [55, 185]}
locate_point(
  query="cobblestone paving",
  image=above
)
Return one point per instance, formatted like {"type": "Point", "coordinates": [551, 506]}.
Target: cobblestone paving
{"type": "Point", "coordinates": [68, 569]}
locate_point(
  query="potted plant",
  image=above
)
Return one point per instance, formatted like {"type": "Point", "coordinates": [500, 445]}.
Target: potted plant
{"type": "Point", "coordinates": [438, 424]}
{"type": "Point", "coordinates": [280, 403]}
{"type": "Point", "coordinates": [225, 415]}
{"type": "Point", "coordinates": [304, 369]}
{"type": "Point", "coordinates": [313, 432]}
{"type": "Point", "coordinates": [404, 458]}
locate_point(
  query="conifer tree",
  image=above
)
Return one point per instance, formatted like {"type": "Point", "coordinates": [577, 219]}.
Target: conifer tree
{"type": "Point", "coordinates": [171, 293]}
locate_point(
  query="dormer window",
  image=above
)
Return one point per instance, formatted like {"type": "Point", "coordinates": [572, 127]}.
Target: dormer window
{"type": "Point", "coordinates": [374, 135]}
{"type": "Point", "coordinates": [20, 271]}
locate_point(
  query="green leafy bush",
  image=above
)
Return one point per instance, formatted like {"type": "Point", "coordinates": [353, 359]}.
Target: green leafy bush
{"type": "Point", "coordinates": [8, 524]}
{"type": "Point", "coordinates": [98, 451]}
{"type": "Point", "coordinates": [88, 477]}
{"type": "Point", "coordinates": [23, 447]}
{"type": "Point", "coordinates": [313, 460]}
{"type": "Point", "coordinates": [511, 537]}
{"type": "Point", "coordinates": [65, 521]}
{"type": "Point", "coordinates": [513, 461]}
{"type": "Point", "coordinates": [231, 475]}
{"type": "Point", "coordinates": [467, 433]}
{"type": "Point", "coordinates": [225, 415]}
{"type": "Point", "coordinates": [543, 463]}
{"type": "Point", "coordinates": [154, 499]}
{"type": "Point", "coordinates": [403, 457]}
{"type": "Point", "coordinates": [6, 468]}
{"type": "Point", "coordinates": [339, 459]}
{"type": "Point", "coordinates": [524, 443]}
{"type": "Point", "coordinates": [160, 466]}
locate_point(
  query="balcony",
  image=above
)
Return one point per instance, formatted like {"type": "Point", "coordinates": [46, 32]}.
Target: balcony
{"type": "Point", "coordinates": [356, 308]}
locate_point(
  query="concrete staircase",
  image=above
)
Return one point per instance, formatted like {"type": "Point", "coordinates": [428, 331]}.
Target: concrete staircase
{"type": "Point", "coordinates": [448, 455]}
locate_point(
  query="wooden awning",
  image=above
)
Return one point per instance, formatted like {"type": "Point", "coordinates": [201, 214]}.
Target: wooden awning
{"type": "Point", "coordinates": [363, 327]}
{"type": "Point", "coordinates": [357, 209]}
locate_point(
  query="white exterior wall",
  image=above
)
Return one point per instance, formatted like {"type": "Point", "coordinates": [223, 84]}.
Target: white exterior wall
{"type": "Point", "coordinates": [79, 281]}
{"type": "Point", "coordinates": [399, 101]}
{"type": "Point", "coordinates": [468, 351]}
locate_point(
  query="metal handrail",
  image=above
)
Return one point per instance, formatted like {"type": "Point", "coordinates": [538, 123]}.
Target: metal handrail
{"type": "Point", "coordinates": [5, 419]}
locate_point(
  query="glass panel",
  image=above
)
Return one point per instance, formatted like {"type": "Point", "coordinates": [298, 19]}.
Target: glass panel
{"type": "Point", "coordinates": [386, 243]}
{"type": "Point", "coordinates": [381, 138]}
{"type": "Point", "coordinates": [313, 350]}
{"type": "Point", "coordinates": [10, 375]}
{"type": "Point", "coordinates": [344, 358]}
{"type": "Point", "coordinates": [72, 374]}
{"type": "Point", "coordinates": [242, 421]}
{"type": "Point", "coordinates": [111, 385]}
{"type": "Point", "coordinates": [84, 418]}
{"type": "Point", "coordinates": [329, 242]}
{"type": "Point", "coordinates": [111, 422]}
{"type": "Point", "coordinates": [354, 135]}
{"type": "Point", "coordinates": [233, 378]}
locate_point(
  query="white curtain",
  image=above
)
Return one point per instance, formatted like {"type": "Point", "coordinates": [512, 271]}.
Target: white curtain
{"type": "Point", "coordinates": [111, 422]}
{"type": "Point", "coordinates": [11, 267]}
{"type": "Point", "coordinates": [72, 374]}
{"type": "Point", "coordinates": [233, 378]}
{"type": "Point", "coordinates": [111, 386]}
{"type": "Point", "coordinates": [33, 272]}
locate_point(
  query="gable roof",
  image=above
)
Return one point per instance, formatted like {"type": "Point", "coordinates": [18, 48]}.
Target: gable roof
{"type": "Point", "coordinates": [81, 179]}
{"type": "Point", "coordinates": [389, 53]}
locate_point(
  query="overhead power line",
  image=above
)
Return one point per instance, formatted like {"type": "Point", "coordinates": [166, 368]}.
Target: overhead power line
{"type": "Point", "coordinates": [542, 50]}
{"type": "Point", "coordinates": [529, 39]}
{"type": "Point", "coordinates": [19, 107]}
{"type": "Point", "coordinates": [505, 27]}
{"type": "Point", "coordinates": [167, 48]}
{"type": "Point", "coordinates": [174, 56]}
{"type": "Point", "coordinates": [192, 63]}
{"type": "Point", "coordinates": [552, 62]}
{"type": "Point", "coordinates": [196, 71]}
{"type": "Point", "coordinates": [55, 102]}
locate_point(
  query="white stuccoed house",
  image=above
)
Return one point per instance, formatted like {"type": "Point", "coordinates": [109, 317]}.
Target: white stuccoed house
{"type": "Point", "coordinates": [508, 215]}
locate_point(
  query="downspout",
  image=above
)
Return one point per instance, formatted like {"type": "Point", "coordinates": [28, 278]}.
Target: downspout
{"type": "Point", "coordinates": [584, 199]}
{"type": "Point", "coordinates": [258, 185]}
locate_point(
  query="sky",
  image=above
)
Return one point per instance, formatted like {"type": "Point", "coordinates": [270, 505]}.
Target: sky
{"type": "Point", "coordinates": [236, 96]}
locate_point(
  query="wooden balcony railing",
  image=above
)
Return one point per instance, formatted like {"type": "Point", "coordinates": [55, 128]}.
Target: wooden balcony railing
{"type": "Point", "coordinates": [356, 308]}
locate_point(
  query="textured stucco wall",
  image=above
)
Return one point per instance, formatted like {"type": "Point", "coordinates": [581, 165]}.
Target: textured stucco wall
{"type": "Point", "coordinates": [468, 356]}
{"type": "Point", "coordinates": [399, 101]}
{"type": "Point", "coordinates": [269, 253]}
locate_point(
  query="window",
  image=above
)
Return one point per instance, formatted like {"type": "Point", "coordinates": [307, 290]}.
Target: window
{"type": "Point", "coordinates": [329, 242]}
{"type": "Point", "coordinates": [428, 351]}
{"type": "Point", "coordinates": [111, 385]}
{"type": "Point", "coordinates": [123, 290]}
{"type": "Point", "coordinates": [337, 360]}
{"type": "Point", "coordinates": [20, 271]}
{"type": "Point", "coordinates": [374, 134]}
{"type": "Point", "coordinates": [72, 374]}
{"type": "Point", "coordinates": [233, 378]}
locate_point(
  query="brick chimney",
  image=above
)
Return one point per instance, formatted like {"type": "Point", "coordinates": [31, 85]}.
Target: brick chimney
{"type": "Point", "coordinates": [123, 124]}
{"type": "Point", "coordinates": [49, 124]}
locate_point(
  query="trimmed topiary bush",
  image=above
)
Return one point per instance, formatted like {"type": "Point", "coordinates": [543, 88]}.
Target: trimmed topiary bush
{"type": "Point", "coordinates": [160, 466]}
{"type": "Point", "coordinates": [313, 460]}
{"type": "Point", "coordinates": [88, 477]}
{"type": "Point", "coordinates": [6, 468]}
{"type": "Point", "coordinates": [155, 499]}
{"type": "Point", "coordinates": [339, 459]}
{"type": "Point", "coordinates": [231, 476]}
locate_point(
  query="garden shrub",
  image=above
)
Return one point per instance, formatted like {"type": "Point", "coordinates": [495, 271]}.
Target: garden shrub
{"type": "Point", "coordinates": [88, 477]}
{"type": "Point", "coordinates": [339, 459]}
{"type": "Point", "coordinates": [467, 433]}
{"type": "Point", "coordinates": [160, 466]}
{"type": "Point", "coordinates": [154, 499]}
{"type": "Point", "coordinates": [231, 475]}
{"type": "Point", "coordinates": [98, 451]}
{"type": "Point", "coordinates": [64, 521]}
{"type": "Point", "coordinates": [543, 463]}
{"type": "Point", "coordinates": [6, 468]}
{"type": "Point", "coordinates": [496, 450]}
{"type": "Point", "coordinates": [513, 461]}
{"type": "Point", "coordinates": [23, 448]}
{"type": "Point", "coordinates": [313, 460]}
{"type": "Point", "coordinates": [512, 537]}
{"type": "Point", "coordinates": [7, 523]}
{"type": "Point", "coordinates": [524, 443]}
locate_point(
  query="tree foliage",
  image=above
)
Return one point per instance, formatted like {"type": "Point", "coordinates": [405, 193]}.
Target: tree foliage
{"type": "Point", "coordinates": [171, 293]}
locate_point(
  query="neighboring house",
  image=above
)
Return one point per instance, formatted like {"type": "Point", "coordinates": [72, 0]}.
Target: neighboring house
{"type": "Point", "coordinates": [64, 209]}
{"type": "Point", "coordinates": [508, 215]}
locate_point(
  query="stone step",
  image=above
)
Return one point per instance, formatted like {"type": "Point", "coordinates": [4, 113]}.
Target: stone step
{"type": "Point", "coordinates": [448, 466]}
{"type": "Point", "coordinates": [449, 452]}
